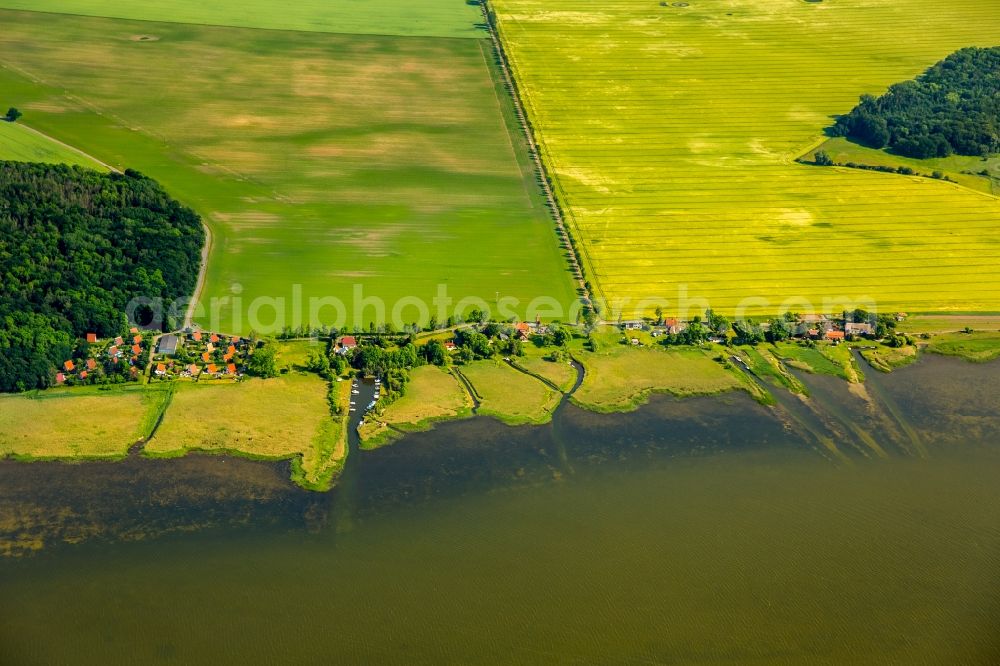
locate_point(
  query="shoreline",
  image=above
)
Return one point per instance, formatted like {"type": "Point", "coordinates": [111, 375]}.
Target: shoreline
{"type": "Point", "coordinates": [607, 382]}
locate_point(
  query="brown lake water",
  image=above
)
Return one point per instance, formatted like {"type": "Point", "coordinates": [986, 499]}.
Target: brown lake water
{"type": "Point", "coordinates": [702, 531]}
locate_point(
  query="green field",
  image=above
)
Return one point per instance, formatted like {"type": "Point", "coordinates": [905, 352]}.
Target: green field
{"type": "Point", "coordinates": [326, 161]}
{"type": "Point", "coordinates": [79, 424]}
{"type": "Point", "coordinates": [979, 347]}
{"type": "Point", "coordinates": [270, 419]}
{"type": "Point", "coordinates": [432, 18]}
{"type": "Point", "coordinates": [560, 373]}
{"type": "Point", "coordinates": [621, 377]}
{"type": "Point", "coordinates": [18, 143]}
{"type": "Point", "coordinates": [671, 133]}
{"type": "Point", "coordinates": [822, 359]}
{"type": "Point", "coordinates": [510, 395]}
{"type": "Point", "coordinates": [432, 394]}
{"type": "Point", "coordinates": [963, 169]}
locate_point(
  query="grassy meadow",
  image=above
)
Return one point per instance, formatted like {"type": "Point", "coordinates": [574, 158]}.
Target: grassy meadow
{"type": "Point", "coordinates": [560, 373]}
{"type": "Point", "coordinates": [980, 346]}
{"type": "Point", "coordinates": [431, 395]}
{"type": "Point", "coordinates": [323, 160]}
{"type": "Point", "coordinates": [429, 18]}
{"type": "Point", "coordinates": [19, 143]}
{"type": "Point", "coordinates": [80, 424]}
{"type": "Point", "coordinates": [510, 395]}
{"type": "Point", "coordinates": [272, 419]}
{"type": "Point", "coordinates": [621, 377]}
{"type": "Point", "coordinates": [963, 169]}
{"type": "Point", "coordinates": [671, 133]}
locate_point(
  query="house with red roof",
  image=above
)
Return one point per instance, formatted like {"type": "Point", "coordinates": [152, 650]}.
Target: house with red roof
{"type": "Point", "coordinates": [231, 368]}
{"type": "Point", "coordinates": [91, 337]}
{"type": "Point", "coordinates": [212, 369]}
{"type": "Point", "coordinates": [69, 366]}
{"type": "Point", "coordinates": [60, 378]}
{"type": "Point", "coordinates": [206, 357]}
{"type": "Point", "coordinates": [214, 338]}
{"type": "Point", "coordinates": [133, 330]}
{"type": "Point", "coordinates": [91, 364]}
{"type": "Point", "coordinates": [196, 336]}
{"type": "Point", "coordinates": [118, 341]}
{"type": "Point", "coordinates": [835, 336]}
{"type": "Point", "coordinates": [83, 375]}
{"type": "Point", "coordinates": [193, 370]}
{"type": "Point", "coordinates": [161, 369]}
{"type": "Point", "coordinates": [113, 352]}
{"type": "Point", "coordinates": [137, 340]}
{"type": "Point", "coordinates": [136, 349]}
{"type": "Point", "coordinates": [347, 343]}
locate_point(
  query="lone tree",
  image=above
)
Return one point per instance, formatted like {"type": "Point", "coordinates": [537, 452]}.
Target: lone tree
{"type": "Point", "coordinates": [12, 114]}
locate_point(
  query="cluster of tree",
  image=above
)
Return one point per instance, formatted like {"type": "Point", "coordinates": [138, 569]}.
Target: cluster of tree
{"type": "Point", "coordinates": [327, 364]}
{"type": "Point", "coordinates": [12, 115]}
{"type": "Point", "coordinates": [262, 361]}
{"type": "Point", "coordinates": [76, 246]}
{"type": "Point", "coordinates": [883, 325]}
{"type": "Point", "coordinates": [493, 340]}
{"type": "Point", "coordinates": [699, 331]}
{"type": "Point", "coordinates": [953, 107]}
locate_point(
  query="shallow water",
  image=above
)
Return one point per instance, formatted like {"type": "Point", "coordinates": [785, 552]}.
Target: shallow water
{"type": "Point", "coordinates": [696, 531]}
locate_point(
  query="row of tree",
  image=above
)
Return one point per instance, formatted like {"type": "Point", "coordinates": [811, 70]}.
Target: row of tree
{"type": "Point", "coordinates": [953, 107]}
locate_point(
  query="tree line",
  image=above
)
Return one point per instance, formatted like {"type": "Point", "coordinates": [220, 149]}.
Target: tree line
{"type": "Point", "coordinates": [952, 108]}
{"type": "Point", "coordinates": [76, 246]}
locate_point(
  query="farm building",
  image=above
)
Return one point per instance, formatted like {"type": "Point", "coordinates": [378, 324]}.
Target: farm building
{"type": "Point", "coordinates": [167, 345]}
{"type": "Point", "coordinates": [857, 328]}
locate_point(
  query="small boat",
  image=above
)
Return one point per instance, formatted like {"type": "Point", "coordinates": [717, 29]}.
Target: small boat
{"type": "Point", "coordinates": [355, 392]}
{"type": "Point", "coordinates": [353, 403]}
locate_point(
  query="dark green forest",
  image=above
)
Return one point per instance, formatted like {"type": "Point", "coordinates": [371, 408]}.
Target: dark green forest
{"type": "Point", "coordinates": [76, 246]}
{"type": "Point", "coordinates": [952, 108]}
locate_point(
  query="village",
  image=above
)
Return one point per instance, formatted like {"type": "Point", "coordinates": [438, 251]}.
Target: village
{"type": "Point", "coordinates": [195, 355]}
{"type": "Point", "coordinates": [191, 355]}
{"type": "Point", "coordinates": [849, 327]}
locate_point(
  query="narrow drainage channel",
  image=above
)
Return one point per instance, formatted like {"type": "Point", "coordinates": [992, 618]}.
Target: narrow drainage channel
{"type": "Point", "coordinates": [799, 413]}
{"type": "Point", "coordinates": [881, 396]}
{"type": "Point", "coordinates": [136, 449]}
{"type": "Point", "coordinates": [833, 410]}
{"type": "Point", "coordinates": [558, 439]}
{"type": "Point", "coordinates": [469, 388]}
